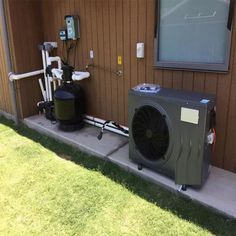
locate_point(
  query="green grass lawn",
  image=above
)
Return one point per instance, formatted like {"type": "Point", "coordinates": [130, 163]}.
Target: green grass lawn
{"type": "Point", "coordinates": [49, 188]}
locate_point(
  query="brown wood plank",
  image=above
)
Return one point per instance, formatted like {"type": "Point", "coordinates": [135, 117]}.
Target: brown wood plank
{"type": "Point", "coordinates": [90, 89]}
{"type": "Point", "coordinates": [96, 78]}
{"type": "Point", "coordinates": [113, 55]}
{"type": "Point", "coordinates": [230, 157]}
{"type": "Point", "coordinates": [83, 51]}
{"type": "Point", "coordinates": [142, 22]}
{"type": "Point", "coordinates": [188, 80]}
{"type": "Point", "coordinates": [3, 75]}
{"type": "Point", "coordinates": [133, 39]}
{"type": "Point", "coordinates": [82, 48]}
{"type": "Point", "coordinates": [101, 74]}
{"type": "Point", "coordinates": [199, 81]}
{"type": "Point", "coordinates": [107, 61]}
{"type": "Point", "coordinates": [211, 83]}
{"type": "Point", "coordinates": [177, 79]}
{"type": "Point", "coordinates": [127, 55]}
{"type": "Point", "coordinates": [150, 15]}
{"type": "Point", "coordinates": [167, 79]}
{"type": "Point", "coordinates": [119, 46]}
{"type": "Point", "coordinates": [3, 78]}
{"type": "Point", "coordinates": [227, 112]}
{"type": "Point", "coordinates": [222, 108]}
{"type": "Point", "coordinates": [158, 77]}
{"type": "Point", "coordinates": [78, 60]}
{"type": "Point", "coordinates": [58, 26]}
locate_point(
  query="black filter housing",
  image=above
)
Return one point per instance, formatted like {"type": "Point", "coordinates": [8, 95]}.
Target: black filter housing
{"type": "Point", "coordinates": [69, 103]}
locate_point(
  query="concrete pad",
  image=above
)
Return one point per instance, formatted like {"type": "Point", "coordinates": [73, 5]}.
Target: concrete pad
{"type": "Point", "coordinates": [218, 193]}
{"type": "Point", "coordinates": [7, 115]}
{"type": "Point", "coordinates": [84, 139]}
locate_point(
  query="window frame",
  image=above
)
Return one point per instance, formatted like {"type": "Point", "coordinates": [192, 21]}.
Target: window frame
{"type": "Point", "coordinates": [192, 66]}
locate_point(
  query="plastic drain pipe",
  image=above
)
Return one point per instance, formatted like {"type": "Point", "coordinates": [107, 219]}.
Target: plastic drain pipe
{"type": "Point", "coordinates": [45, 76]}
{"type": "Point", "coordinates": [99, 123]}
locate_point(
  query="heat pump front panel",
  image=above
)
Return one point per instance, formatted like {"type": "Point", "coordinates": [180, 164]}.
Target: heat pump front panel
{"type": "Point", "coordinates": [185, 159]}
{"type": "Point", "coordinates": [165, 163]}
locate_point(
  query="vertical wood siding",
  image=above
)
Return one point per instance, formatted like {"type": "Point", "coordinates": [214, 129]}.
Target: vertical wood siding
{"type": "Point", "coordinates": [25, 34]}
{"type": "Point", "coordinates": [5, 100]}
{"type": "Point", "coordinates": [112, 28]}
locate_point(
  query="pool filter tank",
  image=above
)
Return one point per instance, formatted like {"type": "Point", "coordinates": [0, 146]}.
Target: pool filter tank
{"type": "Point", "coordinates": [69, 103]}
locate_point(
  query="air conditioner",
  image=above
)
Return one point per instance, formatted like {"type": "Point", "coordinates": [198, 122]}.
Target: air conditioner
{"type": "Point", "coordinates": [172, 132]}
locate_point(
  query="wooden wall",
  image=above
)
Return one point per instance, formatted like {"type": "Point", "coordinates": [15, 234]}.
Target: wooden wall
{"type": "Point", "coordinates": [24, 22]}
{"type": "Point", "coordinates": [112, 28]}
{"type": "Point", "coordinates": [5, 100]}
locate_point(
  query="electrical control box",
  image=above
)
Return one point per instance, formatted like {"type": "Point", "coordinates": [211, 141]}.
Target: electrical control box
{"type": "Point", "coordinates": [72, 25]}
{"type": "Point", "coordinates": [63, 34]}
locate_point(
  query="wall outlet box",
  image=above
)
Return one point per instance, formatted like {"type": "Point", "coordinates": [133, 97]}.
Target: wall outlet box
{"type": "Point", "coordinates": [140, 50]}
{"type": "Point", "coordinates": [91, 55]}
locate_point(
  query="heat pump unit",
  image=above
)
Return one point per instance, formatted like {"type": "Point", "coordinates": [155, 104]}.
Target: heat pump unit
{"type": "Point", "coordinates": [172, 132]}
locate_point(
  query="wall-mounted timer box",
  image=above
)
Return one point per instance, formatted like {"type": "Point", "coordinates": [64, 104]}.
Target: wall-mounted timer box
{"type": "Point", "coordinates": [72, 25]}
{"type": "Point", "coordinates": [63, 34]}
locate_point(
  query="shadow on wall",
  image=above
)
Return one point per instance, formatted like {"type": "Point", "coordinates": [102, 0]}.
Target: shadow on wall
{"type": "Point", "coordinates": [183, 208]}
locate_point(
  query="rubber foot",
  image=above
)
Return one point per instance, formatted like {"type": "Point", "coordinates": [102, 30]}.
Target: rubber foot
{"type": "Point", "coordinates": [140, 166]}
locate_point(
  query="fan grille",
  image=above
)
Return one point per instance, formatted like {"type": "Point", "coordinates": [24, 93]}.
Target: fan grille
{"type": "Point", "coordinates": [150, 133]}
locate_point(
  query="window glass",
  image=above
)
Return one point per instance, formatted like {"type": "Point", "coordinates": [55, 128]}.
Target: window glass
{"type": "Point", "coordinates": [193, 31]}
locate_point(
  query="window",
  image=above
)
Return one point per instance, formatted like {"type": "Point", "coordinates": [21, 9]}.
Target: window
{"type": "Point", "coordinates": [194, 34]}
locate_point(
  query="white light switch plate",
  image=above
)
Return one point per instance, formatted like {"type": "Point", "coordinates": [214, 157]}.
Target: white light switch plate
{"type": "Point", "coordinates": [91, 55]}
{"type": "Point", "coordinates": [140, 50]}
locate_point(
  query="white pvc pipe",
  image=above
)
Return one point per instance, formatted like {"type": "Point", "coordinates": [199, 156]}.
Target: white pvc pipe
{"type": "Point", "coordinates": [54, 85]}
{"type": "Point", "coordinates": [79, 75]}
{"type": "Point", "coordinates": [47, 58]}
{"type": "Point", "coordinates": [99, 123]}
{"type": "Point", "coordinates": [56, 59]}
{"type": "Point", "coordinates": [13, 76]}
{"type": "Point", "coordinates": [106, 128]}
{"type": "Point", "coordinates": [48, 87]}
{"type": "Point", "coordinates": [42, 89]}
{"type": "Point", "coordinates": [45, 76]}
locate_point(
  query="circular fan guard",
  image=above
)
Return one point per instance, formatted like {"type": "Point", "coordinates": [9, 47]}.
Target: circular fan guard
{"type": "Point", "coordinates": [150, 133]}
